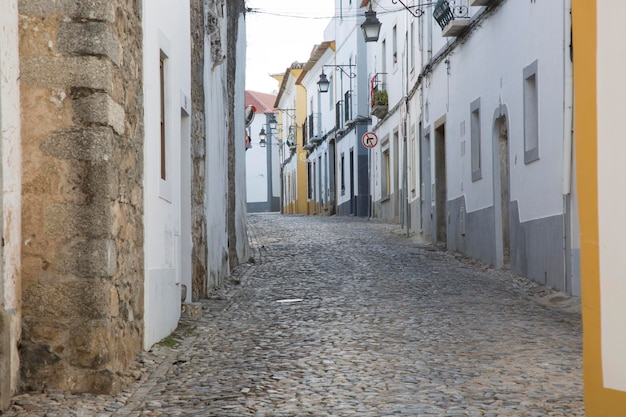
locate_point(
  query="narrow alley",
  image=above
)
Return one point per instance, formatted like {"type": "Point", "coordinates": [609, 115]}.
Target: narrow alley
{"type": "Point", "coordinates": [347, 317]}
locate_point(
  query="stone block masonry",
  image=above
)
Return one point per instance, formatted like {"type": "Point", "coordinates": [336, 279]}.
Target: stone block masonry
{"type": "Point", "coordinates": [82, 210]}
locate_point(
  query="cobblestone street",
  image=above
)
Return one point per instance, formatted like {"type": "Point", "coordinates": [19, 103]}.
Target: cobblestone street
{"type": "Point", "coordinates": [347, 317]}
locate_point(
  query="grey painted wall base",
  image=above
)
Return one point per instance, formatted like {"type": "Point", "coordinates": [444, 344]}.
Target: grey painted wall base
{"type": "Point", "coordinates": [536, 246]}
{"type": "Point", "coordinates": [414, 216]}
{"type": "Point", "coordinates": [264, 206]}
{"type": "Point", "coordinates": [537, 249]}
{"type": "Point", "coordinates": [471, 233]}
{"type": "Point", "coordinates": [358, 208]}
{"type": "Point", "coordinates": [386, 209]}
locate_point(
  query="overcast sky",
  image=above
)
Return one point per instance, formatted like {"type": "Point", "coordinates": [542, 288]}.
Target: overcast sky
{"type": "Point", "coordinates": [283, 31]}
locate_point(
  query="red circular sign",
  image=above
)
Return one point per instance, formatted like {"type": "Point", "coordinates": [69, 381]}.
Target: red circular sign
{"type": "Point", "coordinates": [369, 140]}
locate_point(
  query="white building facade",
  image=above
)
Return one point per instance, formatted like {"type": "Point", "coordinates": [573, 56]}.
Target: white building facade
{"type": "Point", "coordinates": [394, 65]}
{"type": "Point", "coordinates": [496, 139]}
{"type": "Point", "coordinates": [167, 92]}
{"type": "Point", "coordinates": [338, 116]}
{"type": "Point", "coordinates": [323, 187]}
{"type": "Point", "coordinates": [263, 157]}
{"type": "Point", "coordinates": [475, 150]}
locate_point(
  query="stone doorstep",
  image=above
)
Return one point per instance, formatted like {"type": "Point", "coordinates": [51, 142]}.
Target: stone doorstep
{"type": "Point", "coordinates": [192, 311]}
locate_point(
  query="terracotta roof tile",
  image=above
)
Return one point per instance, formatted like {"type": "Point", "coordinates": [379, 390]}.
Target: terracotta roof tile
{"type": "Point", "coordinates": [263, 102]}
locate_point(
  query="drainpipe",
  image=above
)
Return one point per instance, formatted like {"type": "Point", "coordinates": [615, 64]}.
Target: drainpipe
{"type": "Point", "coordinates": [270, 179]}
{"type": "Point", "coordinates": [568, 149]}
{"type": "Point", "coordinates": [405, 122]}
{"type": "Point", "coordinates": [568, 108]}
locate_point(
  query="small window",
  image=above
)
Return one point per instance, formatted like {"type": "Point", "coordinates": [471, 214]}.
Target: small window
{"type": "Point", "coordinates": [310, 181]}
{"type": "Point", "coordinates": [383, 59]}
{"type": "Point", "coordinates": [394, 45]}
{"type": "Point", "coordinates": [343, 174]}
{"type": "Point", "coordinates": [412, 46]}
{"type": "Point", "coordinates": [531, 114]}
{"type": "Point", "coordinates": [475, 138]}
{"type": "Point", "coordinates": [331, 93]}
{"type": "Point", "coordinates": [162, 111]}
{"type": "Point", "coordinates": [385, 174]}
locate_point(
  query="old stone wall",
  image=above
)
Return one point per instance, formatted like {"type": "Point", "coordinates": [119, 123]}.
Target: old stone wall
{"type": "Point", "coordinates": [235, 10]}
{"type": "Point", "coordinates": [198, 153]}
{"type": "Point", "coordinates": [82, 131]}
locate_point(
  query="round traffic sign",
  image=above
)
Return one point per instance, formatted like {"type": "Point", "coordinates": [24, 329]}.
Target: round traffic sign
{"type": "Point", "coordinates": [369, 140]}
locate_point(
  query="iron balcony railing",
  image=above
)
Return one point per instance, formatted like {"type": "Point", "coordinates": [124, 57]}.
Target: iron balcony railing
{"type": "Point", "coordinates": [448, 10]}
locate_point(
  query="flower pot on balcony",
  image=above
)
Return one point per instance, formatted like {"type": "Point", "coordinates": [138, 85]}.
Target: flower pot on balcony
{"type": "Point", "coordinates": [381, 104]}
{"type": "Point", "coordinates": [380, 110]}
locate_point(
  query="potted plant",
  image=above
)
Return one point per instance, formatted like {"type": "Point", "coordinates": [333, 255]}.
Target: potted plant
{"type": "Point", "coordinates": [381, 104]}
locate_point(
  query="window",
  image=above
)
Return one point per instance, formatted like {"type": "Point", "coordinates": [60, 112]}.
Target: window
{"type": "Point", "coordinates": [475, 138]}
{"type": "Point", "coordinates": [412, 46]}
{"type": "Point", "coordinates": [309, 181]}
{"type": "Point", "coordinates": [383, 59]}
{"type": "Point", "coordinates": [412, 168]}
{"type": "Point", "coordinates": [320, 195]}
{"type": "Point", "coordinates": [162, 111]}
{"type": "Point", "coordinates": [343, 174]}
{"type": "Point", "coordinates": [347, 106]}
{"type": "Point", "coordinates": [394, 44]}
{"type": "Point", "coordinates": [531, 114]}
{"type": "Point", "coordinates": [338, 120]}
{"type": "Point", "coordinates": [385, 174]}
{"type": "Point", "coordinates": [331, 93]}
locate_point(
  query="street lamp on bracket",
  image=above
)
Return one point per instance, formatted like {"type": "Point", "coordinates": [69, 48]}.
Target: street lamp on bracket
{"type": "Point", "coordinates": [371, 25]}
{"type": "Point", "coordinates": [323, 85]}
{"type": "Point", "coordinates": [417, 10]}
{"type": "Point", "coordinates": [262, 138]}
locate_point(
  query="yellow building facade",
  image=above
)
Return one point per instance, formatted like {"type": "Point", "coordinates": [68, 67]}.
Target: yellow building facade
{"type": "Point", "coordinates": [291, 103]}
{"type": "Point", "coordinates": [600, 88]}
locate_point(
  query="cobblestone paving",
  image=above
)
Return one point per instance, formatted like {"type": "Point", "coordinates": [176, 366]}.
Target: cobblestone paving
{"type": "Point", "coordinates": [346, 317]}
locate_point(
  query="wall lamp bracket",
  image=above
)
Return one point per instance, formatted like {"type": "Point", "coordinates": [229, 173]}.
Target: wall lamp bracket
{"type": "Point", "coordinates": [417, 10]}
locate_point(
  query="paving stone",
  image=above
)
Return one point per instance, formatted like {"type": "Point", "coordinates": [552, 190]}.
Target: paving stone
{"type": "Point", "coordinates": [348, 317]}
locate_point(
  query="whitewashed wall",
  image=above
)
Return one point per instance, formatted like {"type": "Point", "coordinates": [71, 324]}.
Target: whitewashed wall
{"type": "Point", "coordinates": [216, 193]}
{"type": "Point", "coordinates": [611, 108]}
{"type": "Point", "coordinates": [11, 198]}
{"type": "Point", "coordinates": [489, 66]}
{"type": "Point", "coordinates": [241, 230]}
{"type": "Point", "coordinates": [166, 32]}
{"type": "Point", "coordinates": [256, 164]}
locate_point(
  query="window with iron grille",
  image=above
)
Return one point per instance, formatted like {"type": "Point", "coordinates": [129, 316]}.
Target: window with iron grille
{"type": "Point", "coordinates": [338, 123]}
{"type": "Point", "coordinates": [311, 126]}
{"type": "Point", "coordinates": [347, 111]}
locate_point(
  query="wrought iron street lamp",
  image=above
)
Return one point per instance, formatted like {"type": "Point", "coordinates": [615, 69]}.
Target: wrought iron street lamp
{"type": "Point", "coordinates": [371, 26]}
{"type": "Point", "coordinates": [323, 84]}
{"type": "Point", "coordinates": [273, 122]}
{"type": "Point", "coordinates": [262, 137]}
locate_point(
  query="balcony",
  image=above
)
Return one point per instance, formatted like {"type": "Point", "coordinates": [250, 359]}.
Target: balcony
{"type": "Point", "coordinates": [479, 2]}
{"type": "Point", "coordinates": [452, 16]}
{"type": "Point", "coordinates": [380, 104]}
